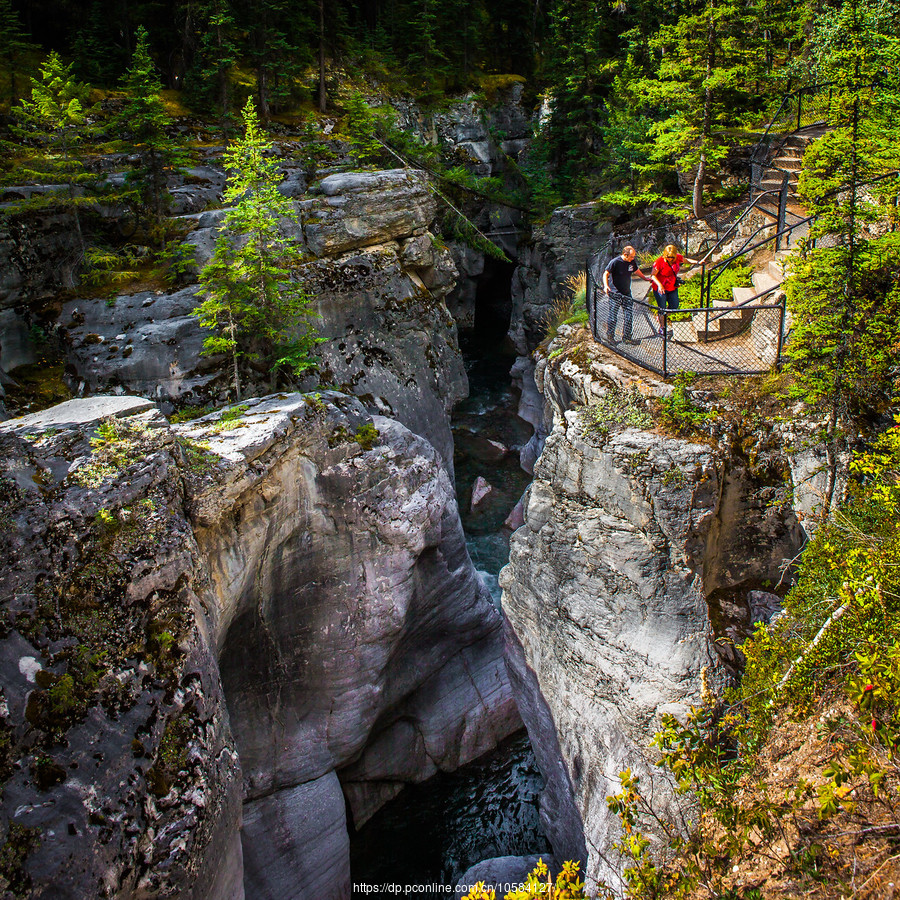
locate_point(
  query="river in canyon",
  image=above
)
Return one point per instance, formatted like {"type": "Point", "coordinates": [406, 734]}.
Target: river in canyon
{"type": "Point", "coordinates": [432, 832]}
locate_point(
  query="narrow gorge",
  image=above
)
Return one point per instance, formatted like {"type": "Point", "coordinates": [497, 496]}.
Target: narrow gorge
{"type": "Point", "coordinates": [398, 621]}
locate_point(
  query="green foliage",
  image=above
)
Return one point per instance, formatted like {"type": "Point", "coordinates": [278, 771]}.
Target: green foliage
{"type": "Point", "coordinates": [144, 121]}
{"type": "Point", "coordinates": [114, 447]}
{"type": "Point", "coordinates": [229, 419]}
{"type": "Point", "coordinates": [366, 436]}
{"type": "Point", "coordinates": [616, 409]}
{"type": "Point", "coordinates": [171, 755]}
{"type": "Point", "coordinates": [109, 267]}
{"type": "Point", "coordinates": [55, 122]}
{"type": "Point", "coordinates": [678, 411]}
{"type": "Point", "coordinates": [734, 275]}
{"type": "Point", "coordinates": [844, 346]}
{"type": "Point", "coordinates": [254, 306]}
{"type": "Point", "coordinates": [20, 841]}
{"type": "Point", "coordinates": [362, 126]}
{"type": "Point", "coordinates": [543, 193]}
{"type": "Point", "coordinates": [844, 301]}
{"type": "Point", "coordinates": [14, 47]}
{"type": "Point", "coordinates": [208, 81]}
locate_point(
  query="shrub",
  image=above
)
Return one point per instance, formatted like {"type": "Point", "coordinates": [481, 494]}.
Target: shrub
{"type": "Point", "coordinates": [678, 411]}
{"type": "Point", "coordinates": [617, 408]}
{"type": "Point", "coordinates": [539, 885]}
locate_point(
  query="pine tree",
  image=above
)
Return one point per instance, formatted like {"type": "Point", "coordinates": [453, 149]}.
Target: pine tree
{"type": "Point", "coordinates": [208, 81]}
{"type": "Point", "coordinates": [700, 85]}
{"type": "Point", "coordinates": [56, 118]}
{"type": "Point", "coordinates": [14, 46]}
{"type": "Point", "coordinates": [362, 128]}
{"type": "Point", "coordinates": [255, 308]}
{"type": "Point", "coordinates": [143, 120]}
{"type": "Point", "coordinates": [280, 38]}
{"type": "Point", "coordinates": [844, 294]}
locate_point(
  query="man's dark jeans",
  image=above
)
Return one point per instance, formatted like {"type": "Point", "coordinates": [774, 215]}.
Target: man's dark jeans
{"type": "Point", "coordinates": [617, 301]}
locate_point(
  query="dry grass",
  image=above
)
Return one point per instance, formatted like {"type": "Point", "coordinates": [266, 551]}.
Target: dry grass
{"type": "Point", "coordinates": [853, 855]}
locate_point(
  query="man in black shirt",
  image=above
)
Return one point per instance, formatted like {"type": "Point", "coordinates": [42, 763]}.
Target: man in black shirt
{"type": "Point", "coordinates": [620, 270]}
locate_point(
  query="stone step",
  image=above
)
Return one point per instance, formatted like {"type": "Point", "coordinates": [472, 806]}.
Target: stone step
{"type": "Point", "coordinates": [764, 281]}
{"type": "Point", "coordinates": [774, 179]}
{"type": "Point", "coordinates": [791, 163]}
{"type": "Point", "coordinates": [685, 332]}
{"type": "Point", "coordinates": [775, 269]}
{"type": "Point", "coordinates": [699, 322]}
{"type": "Point", "coordinates": [720, 325]}
{"type": "Point", "coordinates": [743, 294]}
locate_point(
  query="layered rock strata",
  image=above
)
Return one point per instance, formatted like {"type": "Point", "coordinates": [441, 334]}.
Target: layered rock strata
{"type": "Point", "coordinates": [295, 568]}
{"type": "Point", "coordinates": [375, 276]}
{"type": "Point", "coordinates": [636, 558]}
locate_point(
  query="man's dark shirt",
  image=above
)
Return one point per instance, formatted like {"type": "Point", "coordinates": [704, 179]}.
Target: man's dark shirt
{"type": "Point", "coordinates": [620, 274]}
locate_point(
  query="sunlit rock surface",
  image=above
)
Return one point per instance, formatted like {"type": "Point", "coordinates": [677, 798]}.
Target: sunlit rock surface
{"type": "Point", "coordinates": [639, 551]}
{"type": "Point", "coordinates": [307, 565]}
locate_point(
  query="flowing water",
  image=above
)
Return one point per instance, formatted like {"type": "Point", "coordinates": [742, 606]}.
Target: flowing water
{"type": "Point", "coordinates": [488, 435]}
{"type": "Point", "coordinates": [432, 832]}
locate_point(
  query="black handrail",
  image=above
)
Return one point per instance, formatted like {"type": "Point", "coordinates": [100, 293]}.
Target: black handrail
{"type": "Point", "coordinates": [781, 232]}
{"type": "Point", "coordinates": [737, 222]}
{"type": "Point", "coordinates": [799, 92]}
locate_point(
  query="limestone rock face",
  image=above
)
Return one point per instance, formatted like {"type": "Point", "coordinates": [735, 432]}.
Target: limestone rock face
{"type": "Point", "coordinates": [119, 773]}
{"type": "Point", "coordinates": [557, 250]}
{"type": "Point", "coordinates": [361, 208]}
{"type": "Point", "coordinates": [389, 337]}
{"type": "Point", "coordinates": [293, 573]}
{"type": "Point", "coordinates": [637, 553]}
{"type": "Point", "coordinates": [355, 635]}
{"type": "Point", "coordinates": [38, 257]}
{"type": "Point", "coordinates": [391, 340]}
{"type": "Point", "coordinates": [613, 623]}
{"type": "Point", "coordinates": [147, 343]}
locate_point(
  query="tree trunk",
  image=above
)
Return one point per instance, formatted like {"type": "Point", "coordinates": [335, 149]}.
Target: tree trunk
{"type": "Point", "coordinates": [323, 100]}
{"type": "Point", "coordinates": [263, 84]}
{"type": "Point", "coordinates": [224, 94]}
{"type": "Point", "coordinates": [234, 357]}
{"type": "Point", "coordinates": [706, 128]}
{"type": "Point", "coordinates": [699, 181]}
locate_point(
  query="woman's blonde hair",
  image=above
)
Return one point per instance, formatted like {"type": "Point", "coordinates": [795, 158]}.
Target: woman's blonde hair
{"type": "Point", "coordinates": [670, 251]}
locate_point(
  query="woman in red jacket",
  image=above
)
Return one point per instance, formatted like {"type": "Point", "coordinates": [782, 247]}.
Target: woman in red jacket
{"type": "Point", "coordinates": [665, 281]}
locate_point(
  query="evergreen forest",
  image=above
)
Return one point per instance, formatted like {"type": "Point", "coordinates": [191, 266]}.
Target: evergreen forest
{"type": "Point", "coordinates": [645, 112]}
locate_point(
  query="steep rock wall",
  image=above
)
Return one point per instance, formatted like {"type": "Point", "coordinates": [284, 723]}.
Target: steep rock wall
{"type": "Point", "coordinates": [118, 768]}
{"type": "Point", "coordinates": [299, 570]}
{"type": "Point", "coordinates": [638, 553]}
{"type": "Point", "coordinates": [355, 635]}
{"type": "Point", "coordinates": [375, 277]}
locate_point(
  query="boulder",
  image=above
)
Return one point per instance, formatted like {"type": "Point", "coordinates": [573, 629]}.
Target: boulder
{"type": "Point", "coordinates": [355, 209]}
{"type": "Point", "coordinates": [502, 874]}
{"type": "Point", "coordinates": [480, 489]}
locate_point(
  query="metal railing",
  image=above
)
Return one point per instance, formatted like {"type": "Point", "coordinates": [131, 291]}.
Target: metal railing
{"type": "Point", "coordinates": [805, 107]}
{"type": "Point", "coordinates": [712, 339]}
{"type": "Point", "coordinates": [734, 340]}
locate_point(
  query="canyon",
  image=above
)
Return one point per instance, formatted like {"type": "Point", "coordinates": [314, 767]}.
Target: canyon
{"type": "Point", "coordinates": [229, 642]}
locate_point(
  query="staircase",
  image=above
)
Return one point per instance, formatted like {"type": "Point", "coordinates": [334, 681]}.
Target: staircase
{"type": "Point", "coordinates": [784, 158]}
{"type": "Point", "coordinates": [729, 318]}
